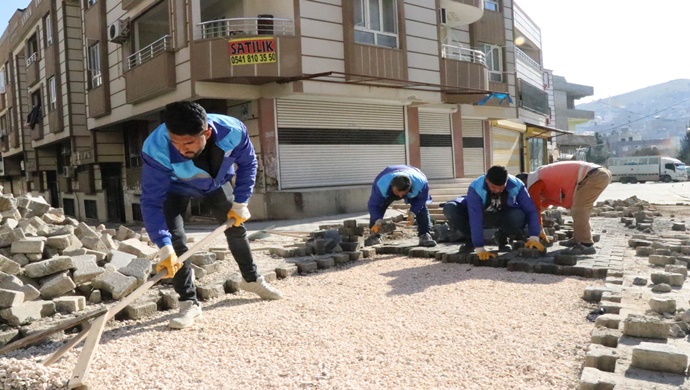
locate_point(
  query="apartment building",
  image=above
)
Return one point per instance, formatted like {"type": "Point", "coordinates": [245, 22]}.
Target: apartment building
{"type": "Point", "coordinates": [331, 92]}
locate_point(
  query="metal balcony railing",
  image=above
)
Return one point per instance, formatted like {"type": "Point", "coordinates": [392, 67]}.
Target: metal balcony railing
{"type": "Point", "coordinates": [161, 45]}
{"type": "Point", "coordinates": [527, 59]}
{"type": "Point", "coordinates": [463, 54]}
{"type": "Point", "coordinates": [246, 26]}
{"type": "Point", "coordinates": [32, 58]}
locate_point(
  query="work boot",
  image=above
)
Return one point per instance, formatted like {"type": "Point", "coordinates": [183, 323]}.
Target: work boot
{"type": "Point", "coordinates": [466, 248]}
{"type": "Point", "coordinates": [262, 289]}
{"type": "Point", "coordinates": [580, 249]}
{"type": "Point", "coordinates": [374, 239]}
{"type": "Point", "coordinates": [502, 241]}
{"type": "Point", "coordinates": [426, 240]}
{"type": "Point", "coordinates": [189, 311]}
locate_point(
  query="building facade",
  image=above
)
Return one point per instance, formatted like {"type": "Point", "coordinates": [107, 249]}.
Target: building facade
{"type": "Point", "coordinates": [331, 92]}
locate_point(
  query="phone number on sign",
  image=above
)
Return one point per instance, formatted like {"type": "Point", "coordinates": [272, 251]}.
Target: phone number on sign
{"type": "Point", "coordinates": [246, 59]}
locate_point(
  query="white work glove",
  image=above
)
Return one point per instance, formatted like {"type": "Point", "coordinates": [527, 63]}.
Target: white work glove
{"type": "Point", "coordinates": [239, 212]}
{"type": "Point", "coordinates": [168, 261]}
{"type": "Point", "coordinates": [483, 254]}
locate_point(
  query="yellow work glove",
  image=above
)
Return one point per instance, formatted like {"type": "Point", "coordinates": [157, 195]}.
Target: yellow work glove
{"type": "Point", "coordinates": [533, 243]}
{"type": "Point", "coordinates": [168, 261]}
{"type": "Point", "coordinates": [239, 213]}
{"type": "Point", "coordinates": [483, 254]}
{"type": "Point", "coordinates": [542, 235]}
{"type": "Point", "coordinates": [375, 229]}
{"type": "Point", "coordinates": [410, 218]}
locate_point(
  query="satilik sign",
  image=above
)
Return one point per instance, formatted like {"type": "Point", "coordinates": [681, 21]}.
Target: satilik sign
{"type": "Point", "coordinates": [250, 51]}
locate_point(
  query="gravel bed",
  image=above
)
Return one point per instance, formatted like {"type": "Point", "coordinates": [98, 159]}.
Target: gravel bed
{"type": "Point", "coordinates": [392, 322]}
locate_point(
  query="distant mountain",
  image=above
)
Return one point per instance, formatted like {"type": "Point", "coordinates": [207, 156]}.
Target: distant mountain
{"type": "Point", "coordinates": [658, 111]}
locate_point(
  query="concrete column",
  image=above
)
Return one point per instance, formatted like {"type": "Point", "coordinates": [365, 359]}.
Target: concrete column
{"type": "Point", "coordinates": [414, 157]}
{"type": "Point", "coordinates": [488, 150]}
{"type": "Point", "coordinates": [456, 121]}
{"type": "Point", "coordinates": [269, 145]}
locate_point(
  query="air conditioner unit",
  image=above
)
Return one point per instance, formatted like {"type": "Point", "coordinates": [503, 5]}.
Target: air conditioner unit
{"type": "Point", "coordinates": [68, 171]}
{"type": "Point", "coordinates": [118, 32]}
{"type": "Point", "coordinates": [444, 16]}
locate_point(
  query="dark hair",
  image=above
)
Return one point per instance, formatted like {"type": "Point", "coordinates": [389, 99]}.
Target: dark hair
{"type": "Point", "coordinates": [497, 175]}
{"type": "Point", "coordinates": [185, 118]}
{"type": "Point", "coordinates": [401, 183]}
{"type": "Point", "coordinates": [523, 177]}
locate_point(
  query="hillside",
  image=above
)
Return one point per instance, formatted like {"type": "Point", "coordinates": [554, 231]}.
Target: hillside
{"type": "Point", "coordinates": [658, 111]}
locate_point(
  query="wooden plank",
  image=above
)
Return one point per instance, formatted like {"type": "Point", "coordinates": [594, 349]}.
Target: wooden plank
{"type": "Point", "coordinates": [42, 335]}
{"type": "Point", "coordinates": [68, 345]}
{"type": "Point", "coordinates": [86, 355]}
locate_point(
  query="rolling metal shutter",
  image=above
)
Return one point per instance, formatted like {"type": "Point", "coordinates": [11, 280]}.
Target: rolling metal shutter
{"type": "Point", "coordinates": [323, 144]}
{"type": "Point", "coordinates": [473, 147]}
{"type": "Point", "coordinates": [436, 144]}
{"type": "Point", "coordinates": [507, 149]}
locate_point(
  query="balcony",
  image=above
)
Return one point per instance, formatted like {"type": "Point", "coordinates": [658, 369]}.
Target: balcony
{"type": "Point", "coordinates": [129, 4]}
{"type": "Point", "coordinates": [2, 102]}
{"type": "Point", "coordinates": [99, 102]}
{"type": "Point", "coordinates": [462, 12]}
{"type": "Point", "coordinates": [32, 74]}
{"type": "Point", "coordinates": [532, 98]}
{"type": "Point", "coordinates": [464, 68]}
{"type": "Point", "coordinates": [268, 50]}
{"type": "Point", "coordinates": [55, 121]}
{"type": "Point", "coordinates": [151, 71]}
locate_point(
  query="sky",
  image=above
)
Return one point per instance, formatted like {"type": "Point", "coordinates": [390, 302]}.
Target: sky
{"type": "Point", "coordinates": [615, 46]}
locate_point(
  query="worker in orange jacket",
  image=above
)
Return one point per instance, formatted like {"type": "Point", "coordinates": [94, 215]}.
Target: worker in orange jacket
{"type": "Point", "coordinates": [573, 185]}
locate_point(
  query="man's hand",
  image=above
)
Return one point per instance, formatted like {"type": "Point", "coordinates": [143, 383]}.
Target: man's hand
{"type": "Point", "coordinates": [483, 254]}
{"type": "Point", "coordinates": [542, 235]}
{"type": "Point", "coordinates": [410, 218]}
{"type": "Point", "coordinates": [168, 261]}
{"type": "Point", "coordinates": [239, 212]}
{"type": "Point", "coordinates": [533, 243]}
{"type": "Point", "coordinates": [375, 229]}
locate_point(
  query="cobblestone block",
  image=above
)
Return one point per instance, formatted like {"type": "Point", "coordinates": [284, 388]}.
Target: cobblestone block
{"type": "Point", "coordinates": [115, 283]}
{"type": "Point", "coordinates": [85, 269]}
{"type": "Point", "coordinates": [611, 296]}
{"type": "Point", "coordinates": [56, 285]}
{"type": "Point", "coordinates": [594, 293]}
{"type": "Point", "coordinates": [325, 263]}
{"type": "Point", "coordinates": [635, 242]}
{"type": "Point", "coordinates": [659, 357]}
{"type": "Point", "coordinates": [282, 252]}
{"type": "Point", "coordinates": [368, 252]}
{"type": "Point", "coordinates": [611, 307]}
{"type": "Point", "coordinates": [28, 246]}
{"type": "Point", "coordinates": [7, 335]}
{"type": "Point", "coordinates": [48, 267]}
{"type": "Point", "coordinates": [138, 268]}
{"type": "Point", "coordinates": [137, 248]}
{"type": "Point", "coordinates": [341, 258]}
{"type": "Point", "coordinates": [562, 259]}
{"type": "Point", "coordinates": [285, 271]}
{"type": "Point", "coordinates": [69, 304]}
{"type": "Point", "coordinates": [606, 337]}
{"type": "Point", "coordinates": [27, 312]}
{"type": "Point", "coordinates": [601, 357]}
{"type": "Point", "coordinates": [644, 250]}
{"type": "Point", "coordinates": [204, 258]}
{"type": "Point", "coordinates": [547, 268]}
{"type": "Point", "coordinates": [9, 298]}
{"type": "Point", "coordinates": [676, 269]}
{"type": "Point", "coordinates": [9, 266]}
{"type": "Point", "coordinates": [232, 285]}
{"type": "Point", "coordinates": [170, 300]}
{"type": "Point", "coordinates": [636, 325]}
{"type": "Point", "coordinates": [141, 309]}
{"type": "Point", "coordinates": [209, 292]}
{"type": "Point", "coordinates": [668, 278]}
{"type": "Point", "coordinates": [307, 266]}
{"type": "Point", "coordinates": [611, 321]}
{"type": "Point", "coordinates": [520, 266]}
{"type": "Point", "coordinates": [662, 305]}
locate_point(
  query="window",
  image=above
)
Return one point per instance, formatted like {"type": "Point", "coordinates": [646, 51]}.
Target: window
{"type": "Point", "coordinates": [494, 61]}
{"type": "Point", "coordinates": [94, 58]}
{"type": "Point", "coordinates": [134, 143]}
{"type": "Point", "coordinates": [90, 209]}
{"type": "Point", "coordinates": [491, 5]}
{"type": "Point", "coordinates": [90, 3]}
{"type": "Point", "coordinates": [48, 28]}
{"type": "Point", "coordinates": [376, 22]}
{"type": "Point", "coordinates": [31, 50]}
{"type": "Point", "coordinates": [52, 93]}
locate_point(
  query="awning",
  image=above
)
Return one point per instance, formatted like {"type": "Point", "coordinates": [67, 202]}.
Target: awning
{"type": "Point", "coordinates": [540, 131]}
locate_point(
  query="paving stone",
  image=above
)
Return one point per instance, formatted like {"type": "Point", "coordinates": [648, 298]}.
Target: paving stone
{"type": "Point", "coordinates": [8, 335]}
{"type": "Point", "coordinates": [593, 379]}
{"type": "Point", "coordinates": [341, 258]}
{"type": "Point", "coordinates": [56, 285]}
{"type": "Point", "coordinates": [611, 296]}
{"type": "Point", "coordinates": [9, 298]}
{"type": "Point", "coordinates": [662, 288]}
{"type": "Point", "coordinates": [232, 285]}
{"type": "Point", "coordinates": [69, 304]}
{"type": "Point", "coordinates": [115, 283]}
{"type": "Point", "coordinates": [677, 269]}
{"type": "Point", "coordinates": [662, 305]}
{"type": "Point", "coordinates": [140, 309]}
{"type": "Point", "coordinates": [325, 263]}
{"type": "Point", "coordinates": [27, 312]}
{"type": "Point", "coordinates": [611, 307]}
{"type": "Point", "coordinates": [307, 266]}
{"type": "Point", "coordinates": [137, 248]}
{"type": "Point", "coordinates": [601, 357]}
{"type": "Point", "coordinates": [594, 293]}
{"type": "Point", "coordinates": [9, 266]}
{"type": "Point", "coordinates": [206, 293]}
{"type": "Point", "coordinates": [170, 300]}
{"type": "Point", "coordinates": [28, 246]}
{"type": "Point", "coordinates": [639, 281]}
{"type": "Point", "coordinates": [645, 327]}
{"type": "Point", "coordinates": [285, 271]}
{"type": "Point", "coordinates": [659, 357]}
{"type": "Point", "coordinates": [671, 279]}
{"type": "Point", "coordinates": [85, 269]}
{"type": "Point", "coordinates": [562, 259]}
{"type": "Point", "coordinates": [611, 321]}
{"type": "Point", "coordinates": [606, 337]}
{"type": "Point", "coordinates": [48, 267]}
{"type": "Point", "coordinates": [203, 258]}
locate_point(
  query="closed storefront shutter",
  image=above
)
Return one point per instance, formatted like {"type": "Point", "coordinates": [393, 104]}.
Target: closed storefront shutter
{"type": "Point", "coordinates": [323, 144]}
{"type": "Point", "coordinates": [436, 144]}
{"type": "Point", "coordinates": [506, 149]}
{"type": "Point", "coordinates": [473, 147]}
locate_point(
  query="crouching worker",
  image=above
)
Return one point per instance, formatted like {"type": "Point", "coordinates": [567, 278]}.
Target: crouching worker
{"type": "Point", "coordinates": [400, 182]}
{"type": "Point", "coordinates": [494, 200]}
{"type": "Point", "coordinates": [192, 155]}
{"type": "Point", "coordinates": [573, 185]}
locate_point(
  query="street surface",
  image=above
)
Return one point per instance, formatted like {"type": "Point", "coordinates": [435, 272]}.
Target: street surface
{"type": "Point", "coordinates": [652, 192]}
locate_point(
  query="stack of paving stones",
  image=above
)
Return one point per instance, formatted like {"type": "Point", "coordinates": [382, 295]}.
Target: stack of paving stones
{"type": "Point", "coordinates": [641, 340]}
{"type": "Point", "coordinates": [335, 244]}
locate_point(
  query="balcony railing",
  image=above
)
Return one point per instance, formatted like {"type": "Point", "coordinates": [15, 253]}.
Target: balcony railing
{"type": "Point", "coordinates": [246, 26]}
{"type": "Point", "coordinates": [463, 54]}
{"type": "Point", "coordinates": [161, 45]}
{"type": "Point", "coordinates": [527, 59]}
{"type": "Point", "coordinates": [32, 58]}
